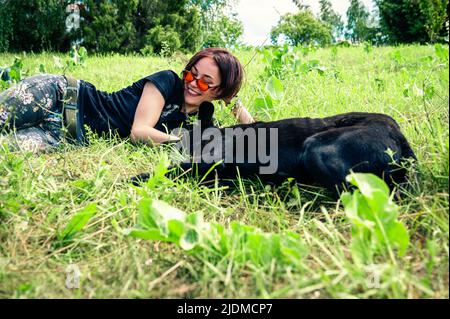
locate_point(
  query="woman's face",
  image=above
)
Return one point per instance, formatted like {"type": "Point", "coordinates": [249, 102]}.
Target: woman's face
{"type": "Point", "coordinates": [207, 70]}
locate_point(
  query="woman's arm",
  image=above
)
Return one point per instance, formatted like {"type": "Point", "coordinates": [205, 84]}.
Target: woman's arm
{"type": "Point", "coordinates": [147, 115]}
{"type": "Point", "coordinates": [241, 113]}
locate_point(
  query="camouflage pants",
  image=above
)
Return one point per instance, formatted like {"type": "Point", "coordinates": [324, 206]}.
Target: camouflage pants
{"type": "Point", "coordinates": [31, 113]}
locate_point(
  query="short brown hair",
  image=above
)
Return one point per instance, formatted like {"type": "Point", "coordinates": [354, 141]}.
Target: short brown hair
{"type": "Point", "coordinates": [231, 71]}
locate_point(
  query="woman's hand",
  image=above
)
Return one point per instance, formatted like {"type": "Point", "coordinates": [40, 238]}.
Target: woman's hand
{"type": "Point", "coordinates": [147, 115]}
{"type": "Point", "coordinates": [241, 113]}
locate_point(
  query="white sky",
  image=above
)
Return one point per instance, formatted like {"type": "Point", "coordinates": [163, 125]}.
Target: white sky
{"type": "Point", "coordinates": [259, 16]}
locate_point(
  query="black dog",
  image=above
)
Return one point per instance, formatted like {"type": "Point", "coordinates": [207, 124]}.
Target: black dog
{"type": "Point", "coordinates": [312, 151]}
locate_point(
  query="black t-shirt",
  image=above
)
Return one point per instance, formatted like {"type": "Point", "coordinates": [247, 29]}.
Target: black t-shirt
{"type": "Point", "coordinates": [104, 112]}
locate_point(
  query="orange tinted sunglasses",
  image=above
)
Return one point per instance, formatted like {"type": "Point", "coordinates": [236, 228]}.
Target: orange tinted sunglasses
{"type": "Point", "coordinates": [188, 76]}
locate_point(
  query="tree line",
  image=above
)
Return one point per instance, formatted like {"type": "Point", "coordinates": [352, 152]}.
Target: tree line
{"type": "Point", "coordinates": [391, 22]}
{"type": "Point", "coordinates": [166, 26]}
{"type": "Point", "coordinates": [147, 26]}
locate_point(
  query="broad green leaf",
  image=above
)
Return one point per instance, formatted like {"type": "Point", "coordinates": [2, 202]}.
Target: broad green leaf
{"type": "Point", "coordinates": [189, 239]}
{"type": "Point", "coordinates": [176, 229]}
{"type": "Point", "coordinates": [361, 249]}
{"type": "Point", "coordinates": [219, 238]}
{"type": "Point", "coordinates": [275, 88]}
{"type": "Point", "coordinates": [441, 52]}
{"type": "Point", "coordinates": [160, 221]}
{"type": "Point", "coordinates": [14, 74]}
{"type": "Point", "coordinates": [268, 56]}
{"type": "Point", "coordinates": [157, 214]}
{"type": "Point", "coordinates": [368, 183]}
{"type": "Point", "coordinates": [262, 247]}
{"type": "Point", "coordinates": [195, 219]}
{"type": "Point", "coordinates": [159, 173]}
{"type": "Point", "coordinates": [151, 234]}
{"type": "Point", "coordinates": [78, 221]}
{"type": "Point", "coordinates": [167, 211]}
{"type": "Point", "coordinates": [399, 235]}
{"type": "Point", "coordinates": [373, 188]}
{"type": "Point", "coordinates": [361, 217]}
{"type": "Point", "coordinates": [357, 209]}
{"type": "Point", "coordinates": [263, 103]}
{"type": "Point", "coordinates": [374, 218]}
{"type": "Point", "coordinates": [240, 230]}
{"type": "Point", "coordinates": [145, 218]}
{"type": "Point", "coordinates": [350, 204]}
{"type": "Point", "coordinates": [292, 247]}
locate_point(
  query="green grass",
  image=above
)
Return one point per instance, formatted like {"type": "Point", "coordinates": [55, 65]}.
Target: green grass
{"type": "Point", "coordinates": [39, 194]}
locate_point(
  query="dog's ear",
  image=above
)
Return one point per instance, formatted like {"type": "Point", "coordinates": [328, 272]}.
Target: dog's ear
{"type": "Point", "coordinates": [205, 114]}
{"type": "Point", "coordinates": [206, 111]}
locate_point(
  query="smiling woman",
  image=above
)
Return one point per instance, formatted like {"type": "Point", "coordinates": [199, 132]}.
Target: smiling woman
{"type": "Point", "coordinates": [44, 109]}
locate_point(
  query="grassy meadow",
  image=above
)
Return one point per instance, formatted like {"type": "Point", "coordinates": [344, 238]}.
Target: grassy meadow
{"type": "Point", "coordinates": [40, 194]}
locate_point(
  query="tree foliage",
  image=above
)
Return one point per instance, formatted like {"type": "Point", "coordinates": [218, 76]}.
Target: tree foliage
{"type": "Point", "coordinates": [224, 32]}
{"type": "Point", "coordinates": [153, 26]}
{"type": "Point", "coordinates": [109, 25]}
{"type": "Point", "coordinates": [329, 16]}
{"type": "Point", "coordinates": [165, 26]}
{"type": "Point", "coordinates": [302, 28]}
{"type": "Point", "coordinates": [220, 26]}
{"type": "Point", "coordinates": [168, 25]}
{"type": "Point", "coordinates": [31, 25]}
{"type": "Point", "coordinates": [357, 22]}
{"type": "Point", "coordinates": [421, 20]}
{"type": "Point", "coordinates": [436, 18]}
{"type": "Point", "coordinates": [300, 5]}
{"type": "Point", "coordinates": [6, 28]}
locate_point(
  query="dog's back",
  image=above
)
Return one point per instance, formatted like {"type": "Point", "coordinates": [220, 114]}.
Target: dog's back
{"type": "Point", "coordinates": [323, 150]}
{"type": "Point", "coordinates": [359, 142]}
{"type": "Point", "coordinates": [311, 150]}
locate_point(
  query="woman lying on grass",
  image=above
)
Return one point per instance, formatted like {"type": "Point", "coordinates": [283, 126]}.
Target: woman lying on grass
{"type": "Point", "coordinates": [42, 110]}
